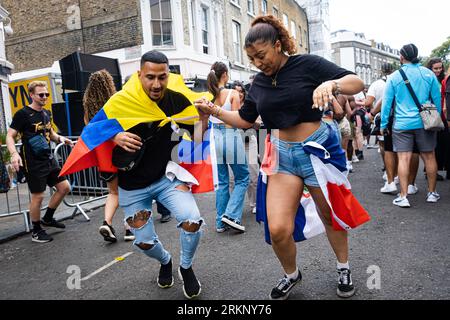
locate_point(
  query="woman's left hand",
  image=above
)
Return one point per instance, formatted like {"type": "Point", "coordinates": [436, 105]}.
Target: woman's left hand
{"type": "Point", "coordinates": [323, 95]}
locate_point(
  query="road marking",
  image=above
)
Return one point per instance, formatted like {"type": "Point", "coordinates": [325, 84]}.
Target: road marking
{"type": "Point", "coordinates": [119, 259]}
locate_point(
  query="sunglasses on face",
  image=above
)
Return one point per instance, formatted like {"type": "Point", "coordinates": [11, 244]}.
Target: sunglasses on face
{"type": "Point", "coordinates": [42, 95]}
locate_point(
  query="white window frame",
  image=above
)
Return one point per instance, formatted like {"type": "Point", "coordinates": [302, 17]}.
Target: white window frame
{"type": "Point", "coordinates": [161, 20]}
{"type": "Point", "coordinates": [286, 20]}
{"type": "Point", "coordinates": [251, 7]}
{"type": "Point", "coordinates": [358, 56]}
{"type": "Point", "coordinates": [293, 29]}
{"type": "Point", "coordinates": [237, 43]}
{"type": "Point", "coordinates": [208, 30]}
{"type": "Point", "coordinates": [236, 3]}
{"type": "Point", "coordinates": [264, 7]}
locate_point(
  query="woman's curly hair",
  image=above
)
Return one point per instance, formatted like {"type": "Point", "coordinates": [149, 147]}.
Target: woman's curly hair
{"type": "Point", "coordinates": [269, 28]}
{"type": "Point", "coordinates": [98, 91]}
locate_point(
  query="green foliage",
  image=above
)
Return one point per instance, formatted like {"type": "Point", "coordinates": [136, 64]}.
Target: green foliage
{"type": "Point", "coordinates": [443, 52]}
{"type": "Point", "coordinates": [6, 156]}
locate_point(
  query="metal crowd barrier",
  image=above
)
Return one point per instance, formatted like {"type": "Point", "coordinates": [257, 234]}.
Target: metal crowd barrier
{"type": "Point", "coordinates": [16, 199]}
{"type": "Point", "coordinates": [86, 186]}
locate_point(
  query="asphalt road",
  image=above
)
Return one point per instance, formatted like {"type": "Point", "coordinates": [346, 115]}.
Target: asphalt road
{"type": "Point", "coordinates": [409, 247]}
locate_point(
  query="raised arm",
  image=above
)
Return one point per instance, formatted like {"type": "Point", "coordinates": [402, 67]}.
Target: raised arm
{"type": "Point", "coordinates": [348, 85]}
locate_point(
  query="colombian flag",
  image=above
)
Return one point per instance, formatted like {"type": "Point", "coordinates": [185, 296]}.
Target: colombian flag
{"type": "Point", "coordinates": [128, 108]}
{"type": "Point", "coordinates": [330, 168]}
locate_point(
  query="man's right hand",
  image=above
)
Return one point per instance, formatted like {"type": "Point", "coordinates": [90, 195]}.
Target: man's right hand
{"type": "Point", "coordinates": [128, 141]}
{"type": "Point", "coordinates": [16, 161]}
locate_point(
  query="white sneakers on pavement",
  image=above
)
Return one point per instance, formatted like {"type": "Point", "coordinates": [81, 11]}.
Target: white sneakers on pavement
{"type": "Point", "coordinates": [433, 197]}
{"type": "Point", "coordinates": [412, 189]}
{"type": "Point", "coordinates": [389, 188]}
{"type": "Point", "coordinates": [401, 202]}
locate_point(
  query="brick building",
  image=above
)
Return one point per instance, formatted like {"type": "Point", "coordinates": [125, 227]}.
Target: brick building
{"type": "Point", "coordinates": [45, 33]}
{"type": "Point", "coordinates": [239, 16]}
{"type": "Point", "coordinates": [192, 33]}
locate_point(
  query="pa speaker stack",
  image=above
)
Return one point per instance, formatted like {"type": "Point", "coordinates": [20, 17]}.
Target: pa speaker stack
{"type": "Point", "coordinates": [76, 69]}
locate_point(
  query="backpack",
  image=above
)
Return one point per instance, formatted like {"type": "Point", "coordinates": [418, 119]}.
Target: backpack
{"type": "Point", "coordinates": [5, 182]}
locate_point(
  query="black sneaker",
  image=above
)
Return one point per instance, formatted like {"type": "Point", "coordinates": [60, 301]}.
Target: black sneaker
{"type": "Point", "coordinates": [345, 285]}
{"type": "Point", "coordinates": [129, 236]}
{"type": "Point", "coordinates": [191, 286]}
{"type": "Point", "coordinates": [53, 223]}
{"type": "Point", "coordinates": [284, 287]}
{"type": "Point", "coordinates": [236, 225]}
{"type": "Point", "coordinates": [41, 236]}
{"type": "Point", "coordinates": [165, 278]}
{"type": "Point", "coordinates": [108, 232]}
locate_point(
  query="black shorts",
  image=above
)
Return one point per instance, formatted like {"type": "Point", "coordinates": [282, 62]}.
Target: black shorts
{"type": "Point", "coordinates": [389, 145]}
{"type": "Point", "coordinates": [38, 184]}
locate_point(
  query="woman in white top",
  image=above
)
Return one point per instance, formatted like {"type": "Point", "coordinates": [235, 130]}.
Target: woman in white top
{"type": "Point", "coordinates": [230, 153]}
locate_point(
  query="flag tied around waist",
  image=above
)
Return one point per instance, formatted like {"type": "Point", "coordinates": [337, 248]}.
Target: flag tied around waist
{"type": "Point", "coordinates": [329, 163]}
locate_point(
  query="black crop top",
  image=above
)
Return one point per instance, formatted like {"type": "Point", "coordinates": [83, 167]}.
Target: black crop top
{"type": "Point", "coordinates": [290, 101]}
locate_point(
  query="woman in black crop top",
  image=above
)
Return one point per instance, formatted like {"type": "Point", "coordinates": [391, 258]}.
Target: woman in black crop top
{"type": "Point", "coordinates": [289, 94]}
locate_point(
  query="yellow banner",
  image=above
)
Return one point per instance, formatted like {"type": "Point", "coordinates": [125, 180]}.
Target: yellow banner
{"type": "Point", "coordinates": [18, 94]}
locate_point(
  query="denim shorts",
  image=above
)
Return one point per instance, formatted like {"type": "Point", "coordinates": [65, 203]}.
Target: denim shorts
{"type": "Point", "coordinates": [293, 160]}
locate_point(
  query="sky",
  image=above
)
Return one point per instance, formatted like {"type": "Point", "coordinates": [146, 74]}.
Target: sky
{"type": "Point", "coordinates": [394, 22]}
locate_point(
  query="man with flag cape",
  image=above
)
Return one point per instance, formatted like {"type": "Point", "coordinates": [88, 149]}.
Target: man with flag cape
{"type": "Point", "coordinates": [148, 117]}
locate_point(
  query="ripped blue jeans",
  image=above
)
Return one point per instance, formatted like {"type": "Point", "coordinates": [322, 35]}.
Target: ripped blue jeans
{"type": "Point", "coordinates": [182, 205]}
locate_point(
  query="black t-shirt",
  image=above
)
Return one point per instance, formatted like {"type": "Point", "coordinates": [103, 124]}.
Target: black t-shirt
{"type": "Point", "coordinates": [290, 101]}
{"type": "Point", "coordinates": [29, 123]}
{"type": "Point", "coordinates": [158, 150]}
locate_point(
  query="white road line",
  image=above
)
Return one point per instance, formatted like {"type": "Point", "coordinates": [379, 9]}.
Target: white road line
{"type": "Point", "coordinates": [119, 259]}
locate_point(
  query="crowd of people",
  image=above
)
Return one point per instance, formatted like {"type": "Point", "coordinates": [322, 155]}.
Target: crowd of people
{"type": "Point", "coordinates": [299, 99]}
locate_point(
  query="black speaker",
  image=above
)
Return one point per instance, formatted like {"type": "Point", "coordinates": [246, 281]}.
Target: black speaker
{"type": "Point", "coordinates": [77, 67]}
{"type": "Point", "coordinates": [76, 115]}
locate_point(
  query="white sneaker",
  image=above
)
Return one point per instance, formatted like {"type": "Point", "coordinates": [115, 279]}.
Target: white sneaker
{"type": "Point", "coordinates": [402, 202]}
{"type": "Point", "coordinates": [433, 197]}
{"type": "Point", "coordinates": [385, 176]}
{"type": "Point", "coordinates": [412, 189]}
{"type": "Point", "coordinates": [349, 166]}
{"type": "Point", "coordinates": [389, 188]}
{"type": "Point", "coordinates": [355, 159]}
{"type": "Point", "coordinates": [397, 180]}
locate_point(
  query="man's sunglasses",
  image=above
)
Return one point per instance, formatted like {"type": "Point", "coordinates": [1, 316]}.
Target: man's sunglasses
{"type": "Point", "coordinates": [42, 95]}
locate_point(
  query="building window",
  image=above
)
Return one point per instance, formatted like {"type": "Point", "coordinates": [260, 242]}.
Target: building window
{"type": "Point", "coordinates": [251, 7]}
{"type": "Point", "coordinates": [205, 33]}
{"type": "Point", "coordinates": [161, 21]}
{"type": "Point", "coordinates": [275, 12]}
{"type": "Point", "coordinates": [237, 42]}
{"type": "Point", "coordinates": [264, 7]}
{"type": "Point", "coordinates": [236, 2]}
{"type": "Point", "coordinates": [358, 57]}
{"type": "Point", "coordinates": [305, 40]}
{"type": "Point", "coordinates": [293, 29]}
{"type": "Point", "coordinates": [368, 57]}
{"type": "Point", "coordinates": [286, 21]}
{"type": "Point", "coordinates": [300, 35]}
